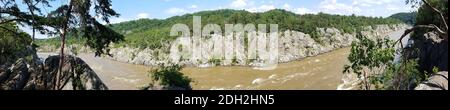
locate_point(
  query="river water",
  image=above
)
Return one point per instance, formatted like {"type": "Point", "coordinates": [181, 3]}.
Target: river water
{"type": "Point", "coordinates": [322, 72]}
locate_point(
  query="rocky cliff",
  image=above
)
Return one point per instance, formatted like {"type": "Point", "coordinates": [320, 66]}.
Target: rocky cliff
{"type": "Point", "coordinates": [292, 45]}
{"type": "Point", "coordinates": [432, 52]}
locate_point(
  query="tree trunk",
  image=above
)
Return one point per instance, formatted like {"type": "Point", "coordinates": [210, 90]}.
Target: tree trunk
{"type": "Point", "coordinates": [30, 4]}
{"type": "Point", "coordinates": [61, 54]}
{"type": "Point", "coordinates": [61, 60]}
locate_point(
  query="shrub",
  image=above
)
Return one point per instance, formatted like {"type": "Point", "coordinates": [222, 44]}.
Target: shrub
{"type": "Point", "coordinates": [399, 76]}
{"type": "Point", "coordinates": [170, 76]}
{"type": "Point", "coordinates": [369, 57]}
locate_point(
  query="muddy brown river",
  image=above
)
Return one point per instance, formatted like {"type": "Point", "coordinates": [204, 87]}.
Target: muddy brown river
{"type": "Point", "coordinates": [322, 72]}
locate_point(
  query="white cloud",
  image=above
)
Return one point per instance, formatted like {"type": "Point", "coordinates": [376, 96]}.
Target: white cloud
{"type": "Point", "coordinates": [238, 3]}
{"type": "Point", "coordinates": [118, 20]}
{"type": "Point", "coordinates": [303, 11]}
{"type": "Point", "coordinates": [266, 7]}
{"type": "Point", "coordinates": [193, 6]}
{"type": "Point", "coordinates": [392, 7]}
{"type": "Point", "coordinates": [286, 6]}
{"type": "Point", "coordinates": [261, 8]}
{"type": "Point", "coordinates": [112, 20]}
{"type": "Point", "coordinates": [142, 15]}
{"type": "Point", "coordinates": [371, 2]}
{"type": "Point", "coordinates": [334, 7]}
{"type": "Point", "coordinates": [176, 11]}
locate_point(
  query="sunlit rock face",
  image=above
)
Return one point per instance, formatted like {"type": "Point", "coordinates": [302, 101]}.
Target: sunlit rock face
{"type": "Point", "coordinates": [227, 50]}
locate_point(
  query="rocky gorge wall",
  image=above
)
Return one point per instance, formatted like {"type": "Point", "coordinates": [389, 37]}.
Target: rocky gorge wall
{"type": "Point", "coordinates": [292, 45]}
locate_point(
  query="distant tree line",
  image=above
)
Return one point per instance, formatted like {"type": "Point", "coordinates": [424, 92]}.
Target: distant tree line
{"type": "Point", "coordinates": [408, 18]}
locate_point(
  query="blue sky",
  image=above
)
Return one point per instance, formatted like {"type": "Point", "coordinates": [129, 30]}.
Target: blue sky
{"type": "Point", "coordinates": [160, 9]}
{"type": "Point", "coordinates": [166, 8]}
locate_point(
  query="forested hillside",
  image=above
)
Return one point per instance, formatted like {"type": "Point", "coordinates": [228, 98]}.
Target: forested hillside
{"type": "Point", "coordinates": [151, 32]}
{"type": "Point", "coordinates": [408, 18]}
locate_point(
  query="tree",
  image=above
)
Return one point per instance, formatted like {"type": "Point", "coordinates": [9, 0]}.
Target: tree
{"type": "Point", "coordinates": [10, 12]}
{"type": "Point", "coordinates": [31, 4]}
{"type": "Point", "coordinates": [404, 73]}
{"type": "Point", "coordinates": [369, 57]}
{"type": "Point", "coordinates": [169, 77]}
{"type": "Point", "coordinates": [76, 17]}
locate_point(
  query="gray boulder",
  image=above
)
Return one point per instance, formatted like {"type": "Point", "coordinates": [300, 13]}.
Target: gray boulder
{"type": "Point", "coordinates": [16, 77]}
{"type": "Point", "coordinates": [438, 81]}
{"type": "Point", "coordinates": [27, 74]}
{"type": "Point", "coordinates": [76, 75]}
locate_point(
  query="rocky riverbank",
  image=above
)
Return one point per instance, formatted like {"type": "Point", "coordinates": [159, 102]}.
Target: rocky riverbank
{"type": "Point", "coordinates": [292, 45]}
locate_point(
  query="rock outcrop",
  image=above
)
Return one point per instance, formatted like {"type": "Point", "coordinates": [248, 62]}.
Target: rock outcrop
{"type": "Point", "coordinates": [29, 73]}
{"type": "Point", "coordinates": [433, 52]}
{"type": "Point", "coordinates": [438, 81]}
{"type": "Point", "coordinates": [292, 45]}
{"type": "Point", "coordinates": [76, 75]}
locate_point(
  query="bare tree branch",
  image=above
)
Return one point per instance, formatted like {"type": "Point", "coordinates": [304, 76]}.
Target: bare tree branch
{"type": "Point", "coordinates": [437, 11]}
{"type": "Point", "coordinates": [10, 20]}
{"type": "Point", "coordinates": [442, 34]}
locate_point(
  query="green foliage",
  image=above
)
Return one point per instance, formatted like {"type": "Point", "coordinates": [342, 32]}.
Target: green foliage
{"type": "Point", "coordinates": [408, 18]}
{"type": "Point", "coordinates": [399, 76]}
{"type": "Point", "coordinates": [214, 61]}
{"type": "Point", "coordinates": [76, 18]}
{"type": "Point", "coordinates": [12, 41]}
{"type": "Point", "coordinates": [234, 60]}
{"type": "Point", "coordinates": [98, 37]}
{"type": "Point", "coordinates": [30, 15]}
{"type": "Point", "coordinates": [154, 38]}
{"type": "Point", "coordinates": [369, 53]}
{"type": "Point", "coordinates": [435, 70]}
{"type": "Point", "coordinates": [171, 76]}
{"type": "Point", "coordinates": [373, 60]}
{"type": "Point", "coordinates": [56, 42]}
{"type": "Point", "coordinates": [406, 75]}
{"type": "Point", "coordinates": [369, 57]}
{"type": "Point", "coordinates": [154, 33]}
{"type": "Point", "coordinates": [426, 15]}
